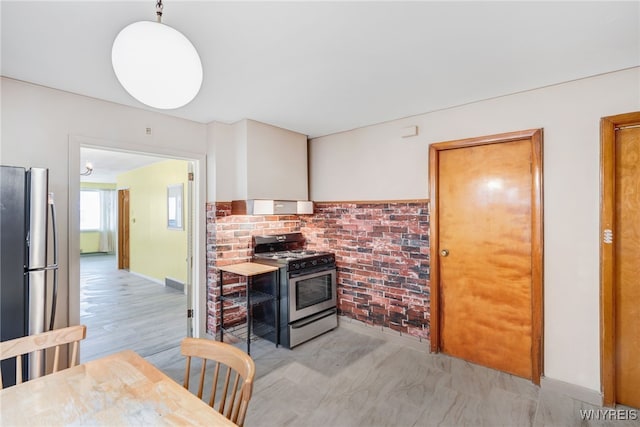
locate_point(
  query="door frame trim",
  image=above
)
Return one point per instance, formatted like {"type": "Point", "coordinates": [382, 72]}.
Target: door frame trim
{"type": "Point", "coordinates": [608, 127]}
{"type": "Point", "coordinates": [537, 239]}
{"type": "Point", "coordinates": [199, 267]}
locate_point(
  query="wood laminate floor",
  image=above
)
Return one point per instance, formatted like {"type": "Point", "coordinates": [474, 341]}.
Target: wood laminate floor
{"type": "Point", "coordinates": [125, 311]}
{"type": "Point", "coordinates": [352, 376]}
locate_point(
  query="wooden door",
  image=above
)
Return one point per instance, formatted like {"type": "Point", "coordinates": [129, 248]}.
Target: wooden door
{"type": "Point", "coordinates": [487, 248]}
{"type": "Point", "coordinates": [621, 258]}
{"type": "Point", "coordinates": [123, 229]}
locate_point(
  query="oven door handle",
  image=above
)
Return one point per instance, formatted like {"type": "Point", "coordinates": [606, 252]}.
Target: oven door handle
{"type": "Point", "coordinates": [314, 318]}
{"type": "Point", "coordinates": [319, 269]}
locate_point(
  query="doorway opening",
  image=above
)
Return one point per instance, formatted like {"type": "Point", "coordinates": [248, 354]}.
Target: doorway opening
{"type": "Point", "coordinates": [136, 259]}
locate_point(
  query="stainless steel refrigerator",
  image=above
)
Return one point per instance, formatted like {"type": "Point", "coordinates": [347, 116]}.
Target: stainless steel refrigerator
{"type": "Point", "coordinates": [28, 258]}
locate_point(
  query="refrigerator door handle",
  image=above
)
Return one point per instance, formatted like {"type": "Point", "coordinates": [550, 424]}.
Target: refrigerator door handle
{"type": "Point", "coordinates": [55, 298]}
{"type": "Point", "coordinates": [37, 183]}
{"type": "Point", "coordinates": [54, 266]}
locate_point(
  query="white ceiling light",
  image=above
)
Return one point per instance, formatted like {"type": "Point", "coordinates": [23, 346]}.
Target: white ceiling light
{"type": "Point", "coordinates": [157, 64]}
{"type": "Point", "coordinates": [88, 169]}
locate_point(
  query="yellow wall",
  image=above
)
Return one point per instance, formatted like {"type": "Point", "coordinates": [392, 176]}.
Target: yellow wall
{"type": "Point", "coordinates": [90, 240]}
{"type": "Point", "coordinates": [155, 251]}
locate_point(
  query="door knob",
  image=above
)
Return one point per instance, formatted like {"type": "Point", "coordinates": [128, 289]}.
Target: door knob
{"type": "Point", "coordinates": [444, 252]}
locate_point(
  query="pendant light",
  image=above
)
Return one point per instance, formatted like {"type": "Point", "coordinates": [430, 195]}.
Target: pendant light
{"type": "Point", "coordinates": [157, 64]}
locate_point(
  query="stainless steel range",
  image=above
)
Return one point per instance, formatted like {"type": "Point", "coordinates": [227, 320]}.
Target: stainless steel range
{"type": "Point", "coordinates": [307, 289]}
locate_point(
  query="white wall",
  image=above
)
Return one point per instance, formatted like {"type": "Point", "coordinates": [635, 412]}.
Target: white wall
{"type": "Point", "coordinates": [276, 163]}
{"type": "Point", "coordinates": [253, 160]}
{"type": "Point", "coordinates": [221, 175]}
{"type": "Point", "coordinates": [43, 127]}
{"type": "Point", "coordinates": [374, 163]}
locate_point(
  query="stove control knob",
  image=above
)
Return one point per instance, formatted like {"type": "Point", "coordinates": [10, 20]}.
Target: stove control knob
{"type": "Point", "coordinates": [325, 260]}
{"type": "Point", "coordinates": [314, 262]}
{"type": "Point", "coordinates": [303, 264]}
{"type": "Point", "coordinates": [296, 266]}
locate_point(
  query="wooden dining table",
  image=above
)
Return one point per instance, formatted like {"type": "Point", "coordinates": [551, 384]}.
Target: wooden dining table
{"type": "Point", "coordinates": [117, 390]}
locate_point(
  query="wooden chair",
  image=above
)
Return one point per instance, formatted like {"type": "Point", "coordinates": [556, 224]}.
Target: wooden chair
{"type": "Point", "coordinates": [233, 401]}
{"type": "Point", "coordinates": [56, 338]}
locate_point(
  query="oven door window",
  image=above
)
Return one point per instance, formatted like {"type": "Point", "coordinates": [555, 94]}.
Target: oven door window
{"type": "Point", "coordinates": [310, 294]}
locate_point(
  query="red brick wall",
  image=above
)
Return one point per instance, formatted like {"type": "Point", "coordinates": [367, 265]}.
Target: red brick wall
{"type": "Point", "coordinates": [229, 242]}
{"type": "Point", "coordinates": [382, 254]}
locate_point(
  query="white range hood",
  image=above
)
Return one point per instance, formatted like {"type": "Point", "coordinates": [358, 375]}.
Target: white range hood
{"type": "Point", "coordinates": [271, 207]}
{"type": "Point", "coordinates": [263, 168]}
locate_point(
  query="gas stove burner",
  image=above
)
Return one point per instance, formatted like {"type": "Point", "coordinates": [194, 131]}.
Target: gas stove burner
{"type": "Point", "coordinates": [274, 255]}
{"type": "Point", "coordinates": [305, 253]}
{"type": "Point", "coordinates": [288, 250]}
{"type": "Point", "coordinates": [296, 254]}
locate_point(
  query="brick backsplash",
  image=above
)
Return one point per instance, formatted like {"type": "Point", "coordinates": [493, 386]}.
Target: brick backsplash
{"type": "Point", "coordinates": [382, 256]}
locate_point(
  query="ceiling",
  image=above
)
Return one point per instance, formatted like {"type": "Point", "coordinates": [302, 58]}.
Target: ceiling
{"type": "Point", "coordinates": [324, 67]}
{"type": "Point", "coordinates": [107, 165]}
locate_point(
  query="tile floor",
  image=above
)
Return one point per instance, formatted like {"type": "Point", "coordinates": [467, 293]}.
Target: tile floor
{"type": "Point", "coordinates": [359, 376]}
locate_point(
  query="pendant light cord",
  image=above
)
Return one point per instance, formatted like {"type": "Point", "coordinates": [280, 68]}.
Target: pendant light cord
{"type": "Point", "coordinates": [159, 7]}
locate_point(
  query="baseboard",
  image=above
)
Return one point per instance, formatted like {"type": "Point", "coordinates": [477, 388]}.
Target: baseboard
{"type": "Point", "coordinates": [149, 278]}
{"type": "Point", "coordinates": [577, 392]}
{"type": "Point", "coordinates": [173, 283]}
{"type": "Point", "coordinates": [417, 343]}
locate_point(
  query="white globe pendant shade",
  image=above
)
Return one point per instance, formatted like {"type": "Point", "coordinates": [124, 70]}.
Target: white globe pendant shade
{"type": "Point", "coordinates": [157, 65]}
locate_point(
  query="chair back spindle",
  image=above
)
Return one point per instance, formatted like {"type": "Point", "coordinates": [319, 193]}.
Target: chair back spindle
{"type": "Point", "coordinates": [18, 347]}
{"type": "Point", "coordinates": [230, 389]}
